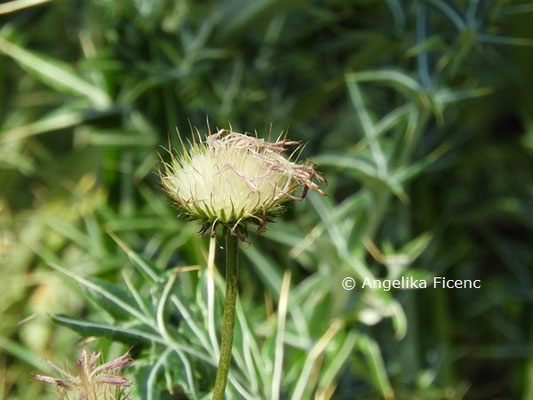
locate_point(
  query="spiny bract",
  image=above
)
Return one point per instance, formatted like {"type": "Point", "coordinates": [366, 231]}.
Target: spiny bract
{"type": "Point", "coordinates": [91, 381]}
{"type": "Point", "coordinates": [232, 178]}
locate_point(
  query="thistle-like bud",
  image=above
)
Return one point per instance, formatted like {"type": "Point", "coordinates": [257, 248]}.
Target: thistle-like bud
{"type": "Point", "coordinates": [91, 380]}
{"type": "Point", "coordinates": [232, 179]}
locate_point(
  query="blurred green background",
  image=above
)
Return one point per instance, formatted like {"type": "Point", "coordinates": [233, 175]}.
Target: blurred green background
{"type": "Point", "coordinates": [419, 113]}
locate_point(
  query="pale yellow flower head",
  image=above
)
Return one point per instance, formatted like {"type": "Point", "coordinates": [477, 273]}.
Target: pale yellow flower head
{"type": "Point", "coordinates": [231, 178]}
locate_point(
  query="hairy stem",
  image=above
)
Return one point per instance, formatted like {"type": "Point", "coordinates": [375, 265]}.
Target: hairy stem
{"type": "Point", "coordinates": [228, 321]}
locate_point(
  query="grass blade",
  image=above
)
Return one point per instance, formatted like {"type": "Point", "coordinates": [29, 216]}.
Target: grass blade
{"type": "Point", "coordinates": [113, 332]}
{"type": "Point", "coordinates": [54, 73]}
{"type": "Point", "coordinates": [111, 298]}
{"type": "Point", "coordinates": [370, 349]}
{"type": "Point", "coordinates": [282, 315]}
{"type": "Point", "coordinates": [16, 5]}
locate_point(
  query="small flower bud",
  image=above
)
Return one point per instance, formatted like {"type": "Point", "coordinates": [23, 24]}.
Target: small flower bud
{"type": "Point", "coordinates": [91, 381]}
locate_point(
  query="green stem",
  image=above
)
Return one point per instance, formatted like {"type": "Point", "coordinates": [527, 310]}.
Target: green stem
{"type": "Point", "coordinates": [228, 321]}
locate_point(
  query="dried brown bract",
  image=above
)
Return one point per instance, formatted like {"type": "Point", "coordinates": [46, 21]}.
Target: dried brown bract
{"type": "Point", "coordinates": [91, 381]}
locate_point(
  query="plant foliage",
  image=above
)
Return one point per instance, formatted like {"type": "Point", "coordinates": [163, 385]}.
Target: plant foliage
{"type": "Point", "coordinates": [418, 113]}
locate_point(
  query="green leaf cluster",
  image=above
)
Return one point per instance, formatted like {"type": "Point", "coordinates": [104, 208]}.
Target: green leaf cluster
{"type": "Point", "coordinates": [418, 113]}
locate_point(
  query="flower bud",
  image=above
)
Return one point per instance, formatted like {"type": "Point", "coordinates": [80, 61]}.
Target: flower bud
{"type": "Point", "coordinates": [231, 179]}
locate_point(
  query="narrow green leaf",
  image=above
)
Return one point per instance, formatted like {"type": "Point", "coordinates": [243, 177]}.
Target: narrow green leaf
{"type": "Point", "coordinates": [333, 368]}
{"type": "Point", "coordinates": [415, 247]}
{"type": "Point", "coordinates": [393, 119]}
{"type": "Point", "coordinates": [103, 301]}
{"type": "Point", "coordinates": [12, 159]}
{"type": "Point", "coordinates": [448, 11]}
{"type": "Point", "coordinates": [111, 297]}
{"type": "Point", "coordinates": [514, 10]}
{"type": "Point", "coordinates": [396, 79]}
{"type": "Point", "coordinates": [144, 267]}
{"type": "Point", "coordinates": [241, 15]}
{"type": "Point", "coordinates": [141, 383]}
{"type": "Point", "coordinates": [367, 124]}
{"type": "Point", "coordinates": [432, 43]}
{"type": "Point", "coordinates": [505, 40]}
{"type": "Point", "coordinates": [270, 273]}
{"type": "Point", "coordinates": [370, 350]}
{"type": "Point", "coordinates": [22, 353]}
{"type": "Point", "coordinates": [144, 304]}
{"type": "Point", "coordinates": [112, 138]}
{"type": "Point", "coordinates": [405, 174]}
{"type": "Point", "coordinates": [446, 96]}
{"type": "Point", "coordinates": [58, 120]}
{"type": "Point", "coordinates": [397, 12]}
{"type": "Point", "coordinates": [16, 5]}
{"type": "Point", "coordinates": [69, 231]}
{"type": "Point", "coordinates": [146, 379]}
{"type": "Point", "coordinates": [112, 332]}
{"type": "Point", "coordinates": [349, 161]}
{"type": "Point", "coordinates": [54, 73]}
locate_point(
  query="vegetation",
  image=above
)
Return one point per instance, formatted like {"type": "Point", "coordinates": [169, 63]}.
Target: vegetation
{"type": "Point", "coordinates": [418, 114]}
